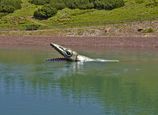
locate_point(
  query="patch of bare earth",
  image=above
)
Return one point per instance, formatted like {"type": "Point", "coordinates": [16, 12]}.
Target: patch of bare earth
{"type": "Point", "coordinates": [82, 43]}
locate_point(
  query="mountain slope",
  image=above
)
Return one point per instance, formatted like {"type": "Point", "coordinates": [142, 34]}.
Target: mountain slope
{"type": "Point", "coordinates": [66, 18]}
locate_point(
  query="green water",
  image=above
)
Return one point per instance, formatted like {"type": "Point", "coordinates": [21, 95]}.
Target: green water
{"type": "Point", "coordinates": [29, 85]}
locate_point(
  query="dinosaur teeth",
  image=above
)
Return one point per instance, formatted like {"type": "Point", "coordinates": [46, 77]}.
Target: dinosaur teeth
{"type": "Point", "coordinates": [57, 59]}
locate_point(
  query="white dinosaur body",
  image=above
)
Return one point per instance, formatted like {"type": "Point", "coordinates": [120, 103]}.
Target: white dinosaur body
{"type": "Point", "coordinates": [71, 55]}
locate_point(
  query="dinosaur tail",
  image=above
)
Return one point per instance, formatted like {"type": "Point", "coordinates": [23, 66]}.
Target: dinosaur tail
{"type": "Point", "coordinates": [102, 60]}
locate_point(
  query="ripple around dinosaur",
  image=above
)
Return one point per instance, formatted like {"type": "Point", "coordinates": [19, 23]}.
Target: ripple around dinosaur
{"type": "Point", "coordinates": [70, 55]}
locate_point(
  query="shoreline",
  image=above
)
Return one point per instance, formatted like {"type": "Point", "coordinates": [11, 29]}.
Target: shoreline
{"type": "Point", "coordinates": [79, 43]}
{"type": "Point", "coordinates": [127, 29]}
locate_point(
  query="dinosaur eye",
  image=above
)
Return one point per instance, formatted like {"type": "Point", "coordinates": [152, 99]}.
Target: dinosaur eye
{"type": "Point", "coordinates": [68, 53]}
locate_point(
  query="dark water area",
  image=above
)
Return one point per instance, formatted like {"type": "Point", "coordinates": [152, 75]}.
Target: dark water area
{"type": "Point", "coordinates": [29, 85]}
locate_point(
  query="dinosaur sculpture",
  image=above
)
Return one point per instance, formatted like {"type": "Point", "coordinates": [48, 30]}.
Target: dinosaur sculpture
{"type": "Point", "coordinates": [70, 55]}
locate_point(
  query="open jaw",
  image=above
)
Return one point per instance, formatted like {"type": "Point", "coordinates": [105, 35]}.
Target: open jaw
{"type": "Point", "coordinates": [70, 55]}
{"type": "Point", "coordinates": [67, 54]}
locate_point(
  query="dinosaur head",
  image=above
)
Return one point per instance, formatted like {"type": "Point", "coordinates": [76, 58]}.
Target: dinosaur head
{"type": "Point", "coordinates": [67, 53]}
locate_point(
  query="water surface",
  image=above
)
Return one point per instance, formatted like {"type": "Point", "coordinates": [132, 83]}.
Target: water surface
{"type": "Point", "coordinates": [29, 85]}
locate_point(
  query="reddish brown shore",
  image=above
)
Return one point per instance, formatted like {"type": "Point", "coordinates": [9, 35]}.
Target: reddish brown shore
{"type": "Point", "coordinates": [78, 42]}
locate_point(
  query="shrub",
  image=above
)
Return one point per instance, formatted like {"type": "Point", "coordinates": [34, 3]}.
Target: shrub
{"type": "Point", "coordinates": [14, 3]}
{"type": "Point", "coordinates": [9, 6]}
{"type": "Point", "coordinates": [108, 4]}
{"type": "Point", "coordinates": [70, 4]}
{"type": "Point", "coordinates": [45, 12]}
{"type": "Point", "coordinates": [99, 4]}
{"type": "Point", "coordinates": [139, 1]}
{"type": "Point", "coordinates": [7, 9]}
{"type": "Point", "coordinates": [49, 10]}
{"type": "Point", "coordinates": [152, 3]}
{"type": "Point", "coordinates": [58, 4]}
{"type": "Point", "coordinates": [39, 2]}
{"type": "Point", "coordinates": [81, 4]}
{"type": "Point", "coordinates": [84, 4]}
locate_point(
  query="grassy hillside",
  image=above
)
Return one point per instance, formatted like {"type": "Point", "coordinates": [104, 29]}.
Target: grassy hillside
{"type": "Point", "coordinates": [134, 10]}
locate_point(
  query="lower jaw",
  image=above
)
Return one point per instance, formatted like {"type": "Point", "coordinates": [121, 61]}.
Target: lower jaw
{"type": "Point", "coordinates": [57, 59]}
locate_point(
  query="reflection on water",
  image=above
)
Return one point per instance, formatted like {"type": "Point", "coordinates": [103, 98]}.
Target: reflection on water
{"type": "Point", "coordinates": [30, 85]}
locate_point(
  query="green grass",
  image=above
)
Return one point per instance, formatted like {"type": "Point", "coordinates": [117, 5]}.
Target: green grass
{"type": "Point", "coordinates": [134, 10]}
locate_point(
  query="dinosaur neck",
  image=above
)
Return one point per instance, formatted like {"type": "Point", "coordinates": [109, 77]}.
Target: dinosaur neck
{"type": "Point", "coordinates": [84, 58]}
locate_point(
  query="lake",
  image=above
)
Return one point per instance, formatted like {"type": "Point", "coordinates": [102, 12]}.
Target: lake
{"type": "Point", "coordinates": [29, 85]}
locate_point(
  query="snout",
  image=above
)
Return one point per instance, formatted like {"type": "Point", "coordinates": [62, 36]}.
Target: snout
{"type": "Point", "coordinates": [59, 48]}
{"type": "Point", "coordinates": [53, 45]}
